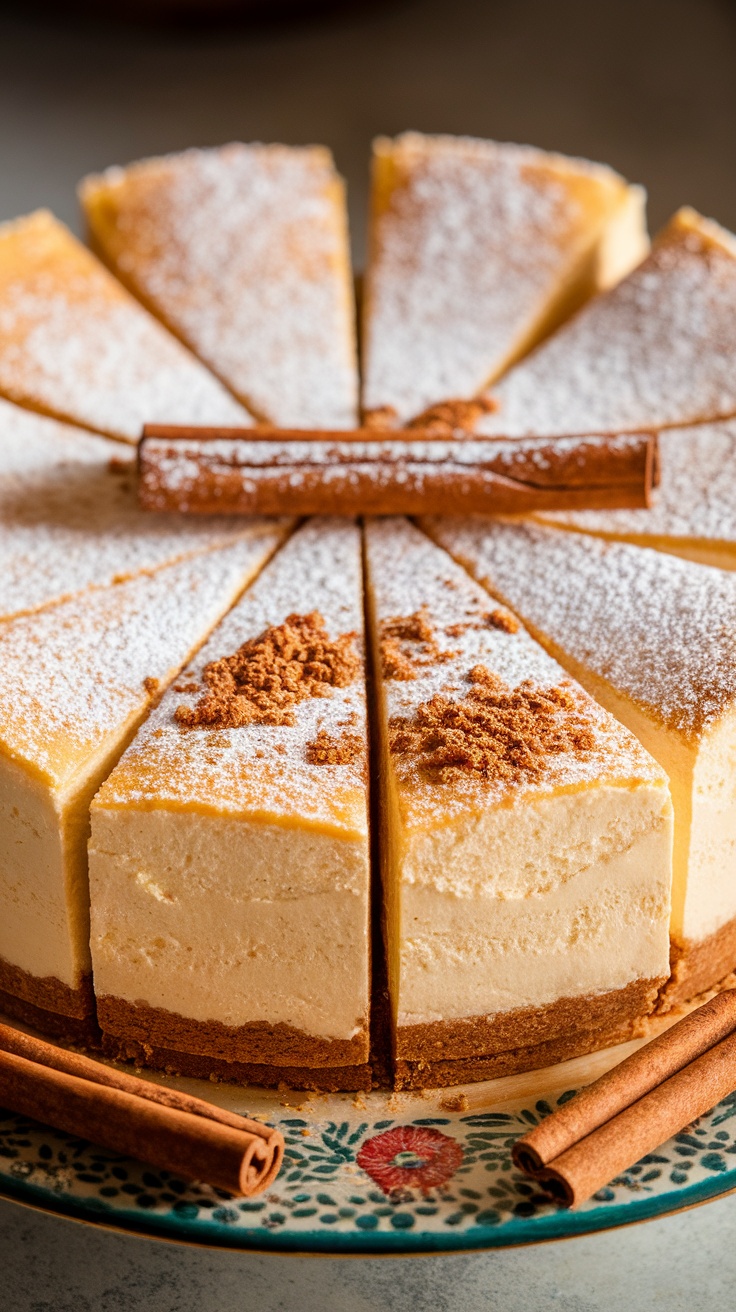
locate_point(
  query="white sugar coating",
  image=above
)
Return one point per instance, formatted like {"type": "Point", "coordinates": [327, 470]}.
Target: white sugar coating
{"type": "Point", "coordinates": [696, 498]}
{"type": "Point", "coordinates": [655, 351]}
{"type": "Point", "coordinates": [243, 251]}
{"type": "Point", "coordinates": [72, 676]}
{"type": "Point", "coordinates": [70, 521]}
{"type": "Point", "coordinates": [409, 573]}
{"type": "Point", "coordinates": [262, 769]}
{"type": "Point", "coordinates": [658, 629]}
{"type": "Point", "coordinates": [471, 249]}
{"type": "Point", "coordinates": [75, 344]}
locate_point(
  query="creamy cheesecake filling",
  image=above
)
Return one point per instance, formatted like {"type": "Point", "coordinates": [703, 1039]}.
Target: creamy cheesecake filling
{"type": "Point", "coordinates": [230, 919]}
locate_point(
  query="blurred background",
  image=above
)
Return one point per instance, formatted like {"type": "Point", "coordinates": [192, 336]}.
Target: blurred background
{"type": "Point", "coordinates": [648, 86]}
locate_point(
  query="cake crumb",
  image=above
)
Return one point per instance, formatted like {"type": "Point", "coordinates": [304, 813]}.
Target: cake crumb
{"type": "Point", "coordinates": [151, 685]}
{"type": "Point", "coordinates": [447, 418]}
{"type": "Point", "coordinates": [331, 749]}
{"type": "Point", "coordinates": [502, 619]}
{"type": "Point", "coordinates": [268, 675]}
{"type": "Point", "coordinates": [454, 1102]}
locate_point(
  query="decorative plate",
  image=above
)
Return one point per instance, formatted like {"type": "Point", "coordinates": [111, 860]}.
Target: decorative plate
{"type": "Point", "coordinates": [375, 1173]}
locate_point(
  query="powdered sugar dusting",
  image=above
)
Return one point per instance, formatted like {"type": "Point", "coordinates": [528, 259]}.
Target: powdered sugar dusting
{"type": "Point", "coordinates": [72, 676]}
{"type": "Point", "coordinates": [655, 351]}
{"type": "Point", "coordinates": [407, 574]}
{"type": "Point", "coordinates": [243, 251]}
{"type": "Point", "coordinates": [696, 498]}
{"type": "Point", "coordinates": [467, 258]}
{"type": "Point", "coordinates": [263, 769]}
{"type": "Point", "coordinates": [659, 629]}
{"type": "Point", "coordinates": [69, 517]}
{"type": "Point", "coordinates": [75, 344]}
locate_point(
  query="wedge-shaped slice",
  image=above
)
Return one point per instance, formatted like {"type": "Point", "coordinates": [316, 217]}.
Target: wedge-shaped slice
{"type": "Point", "coordinates": [655, 351]}
{"type": "Point", "coordinates": [243, 252]}
{"type": "Point", "coordinates": [75, 682]}
{"type": "Point", "coordinates": [528, 835]}
{"type": "Point", "coordinates": [229, 850]}
{"type": "Point", "coordinates": [69, 517]}
{"type": "Point", "coordinates": [652, 638]}
{"type": "Point", "coordinates": [694, 514]}
{"type": "Point", "coordinates": [76, 345]}
{"type": "Point", "coordinates": [477, 251]}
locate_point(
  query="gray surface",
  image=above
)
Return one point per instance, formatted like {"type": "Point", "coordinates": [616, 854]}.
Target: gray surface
{"type": "Point", "coordinates": [648, 86]}
{"type": "Point", "coordinates": [677, 1264]}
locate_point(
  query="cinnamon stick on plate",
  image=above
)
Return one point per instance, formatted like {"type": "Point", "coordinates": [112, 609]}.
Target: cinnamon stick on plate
{"type": "Point", "coordinates": [168, 1129]}
{"type": "Point", "coordinates": [408, 471]}
{"type": "Point", "coordinates": [635, 1107]}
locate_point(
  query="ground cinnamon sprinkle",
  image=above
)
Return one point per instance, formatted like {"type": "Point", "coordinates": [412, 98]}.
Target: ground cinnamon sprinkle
{"type": "Point", "coordinates": [328, 749]}
{"type": "Point", "coordinates": [495, 732]}
{"type": "Point", "coordinates": [446, 417]}
{"type": "Point", "coordinates": [413, 629]}
{"type": "Point", "coordinates": [268, 675]}
{"type": "Point", "coordinates": [503, 619]}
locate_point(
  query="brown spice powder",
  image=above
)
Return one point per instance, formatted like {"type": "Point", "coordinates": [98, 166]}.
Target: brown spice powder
{"type": "Point", "coordinates": [502, 619]}
{"type": "Point", "coordinates": [397, 662]}
{"type": "Point", "coordinates": [447, 417]}
{"type": "Point", "coordinates": [328, 749]}
{"type": "Point", "coordinates": [494, 732]}
{"type": "Point", "coordinates": [268, 675]}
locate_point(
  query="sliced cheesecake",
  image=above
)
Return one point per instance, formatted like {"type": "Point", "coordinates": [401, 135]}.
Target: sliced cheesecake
{"type": "Point", "coordinates": [69, 517]}
{"type": "Point", "coordinates": [75, 682]}
{"type": "Point", "coordinates": [243, 252]}
{"type": "Point", "coordinates": [652, 638]}
{"type": "Point", "coordinates": [655, 351]}
{"type": "Point", "coordinates": [694, 514]}
{"type": "Point", "coordinates": [477, 251]}
{"type": "Point", "coordinates": [76, 345]}
{"type": "Point", "coordinates": [527, 835]}
{"type": "Point", "coordinates": [229, 861]}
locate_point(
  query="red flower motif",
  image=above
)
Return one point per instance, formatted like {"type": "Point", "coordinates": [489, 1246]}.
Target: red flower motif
{"type": "Point", "coordinates": [413, 1156]}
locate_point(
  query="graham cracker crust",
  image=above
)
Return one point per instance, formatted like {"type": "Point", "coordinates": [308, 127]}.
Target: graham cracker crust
{"type": "Point", "coordinates": [324, 1079]}
{"type": "Point", "coordinates": [476, 1039]}
{"type": "Point", "coordinates": [254, 1044]}
{"type": "Point", "coordinates": [47, 993]}
{"type": "Point", "coordinates": [81, 1030]}
{"type": "Point", "coordinates": [699, 965]}
{"type": "Point", "coordinates": [442, 1074]}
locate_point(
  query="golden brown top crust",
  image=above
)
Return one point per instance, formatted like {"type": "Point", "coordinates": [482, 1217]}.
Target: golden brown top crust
{"type": "Point", "coordinates": [494, 732]}
{"type": "Point", "coordinates": [264, 679]}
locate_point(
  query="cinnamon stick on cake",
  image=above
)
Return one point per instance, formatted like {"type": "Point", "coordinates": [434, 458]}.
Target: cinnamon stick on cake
{"type": "Point", "coordinates": [526, 834]}
{"type": "Point", "coordinates": [652, 639]}
{"type": "Point", "coordinates": [229, 860]}
{"type": "Point", "coordinates": [298, 471]}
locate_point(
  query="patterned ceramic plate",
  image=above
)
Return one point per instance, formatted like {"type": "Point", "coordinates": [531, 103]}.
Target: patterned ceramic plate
{"type": "Point", "coordinates": [375, 1174]}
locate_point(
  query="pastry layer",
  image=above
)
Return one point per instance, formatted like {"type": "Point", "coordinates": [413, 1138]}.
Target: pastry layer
{"type": "Point", "coordinates": [477, 251]}
{"type": "Point", "coordinates": [70, 520]}
{"type": "Point", "coordinates": [653, 352]}
{"type": "Point", "coordinates": [75, 681]}
{"type": "Point", "coordinates": [651, 637]}
{"type": "Point", "coordinates": [229, 863]}
{"type": "Point", "coordinates": [243, 252]}
{"type": "Point", "coordinates": [699, 964]}
{"type": "Point", "coordinates": [75, 344]}
{"type": "Point", "coordinates": [518, 868]}
{"type": "Point", "coordinates": [694, 514]}
{"type": "Point", "coordinates": [82, 1030]}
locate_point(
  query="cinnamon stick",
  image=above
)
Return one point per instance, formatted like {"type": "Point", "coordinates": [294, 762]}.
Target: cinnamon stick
{"type": "Point", "coordinates": [412, 471]}
{"type": "Point", "coordinates": [635, 1107]}
{"type": "Point", "coordinates": [168, 1129]}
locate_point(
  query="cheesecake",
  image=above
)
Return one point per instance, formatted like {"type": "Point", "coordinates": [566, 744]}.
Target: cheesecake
{"type": "Point", "coordinates": [70, 520]}
{"type": "Point", "coordinates": [526, 842]}
{"type": "Point", "coordinates": [76, 680]}
{"type": "Point", "coordinates": [654, 352]}
{"type": "Point", "coordinates": [243, 252]}
{"type": "Point", "coordinates": [694, 513]}
{"type": "Point", "coordinates": [229, 854]}
{"type": "Point", "coordinates": [477, 250]}
{"type": "Point", "coordinates": [74, 344]}
{"type": "Point", "coordinates": [651, 637]}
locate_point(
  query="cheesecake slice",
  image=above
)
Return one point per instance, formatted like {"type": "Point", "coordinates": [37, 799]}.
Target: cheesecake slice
{"type": "Point", "coordinates": [75, 682]}
{"type": "Point", "coordinates": [74, 344]}
{"type": "Point", "coordinates": [652, 638]}
{"type": "Point", "coordinates": [243, 252]}
{"type": "Point", "coordinates": [527, 834]}
{"type": "Point", "coordinates": [477, 251]}
{"type": "Point", "coordinates": [229, 859]}
{"type": "Point", "coordinates": [694, 514]}
{"type": "Point", "coordinates": [653, 352]}
{"type": "Point", "coordinates": [70, 520]}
